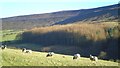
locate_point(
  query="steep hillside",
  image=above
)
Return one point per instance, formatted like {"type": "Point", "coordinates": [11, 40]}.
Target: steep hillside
{"type": "Point", "coordinates": [15, 57]}
{"type": "Point", "coordinates": [76, 38]}
{"type": "Point", "coordinates": [107, 13]}
{"type": "Point", "coordinates": [36, 20]}
{"type": "Point", "coordinates": [101, 14]}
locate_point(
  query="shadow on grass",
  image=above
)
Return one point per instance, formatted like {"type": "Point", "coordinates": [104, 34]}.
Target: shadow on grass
{"type": "Point", "coordinates": [62, 42]}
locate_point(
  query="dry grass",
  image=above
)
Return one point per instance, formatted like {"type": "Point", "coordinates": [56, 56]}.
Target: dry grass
{"type": "Point", "coordinates": [90, 31]}
{"type": "Point", "coordinates": [14, 57]}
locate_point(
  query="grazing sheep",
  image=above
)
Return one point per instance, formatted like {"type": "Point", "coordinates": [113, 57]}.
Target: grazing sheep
{"type": "Point", "coordinates": [3, 47]}
{"type": "Point", "coordinates": [76, 56]}
{"type": "Point", "coordinates": [93, 58]}
{"type": "Point", "coordinates": [50, 54]}
{"type": "Point", "coordinates": [26, 51]}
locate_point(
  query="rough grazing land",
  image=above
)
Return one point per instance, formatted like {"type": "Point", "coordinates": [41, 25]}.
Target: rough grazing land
{"type": "Point", "coordinates": [15, 57]}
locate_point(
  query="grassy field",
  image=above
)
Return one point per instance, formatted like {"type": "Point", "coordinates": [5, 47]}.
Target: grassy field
{"type": "Point", "coordinates": [15, 57]}
{"type": "Point", "coordinates": [8, 35]}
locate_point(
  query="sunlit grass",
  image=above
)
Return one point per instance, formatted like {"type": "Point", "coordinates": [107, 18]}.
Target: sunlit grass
{"type": "Point", "coordinates": [15, 57]}
{"type": "Point", "coordinates": [8, 35]}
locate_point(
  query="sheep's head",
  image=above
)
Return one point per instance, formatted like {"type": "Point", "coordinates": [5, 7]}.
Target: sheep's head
{"type": "Point", "coordinates": [91, 56]}
{"type": "Point", "coordinates": [24, 49]}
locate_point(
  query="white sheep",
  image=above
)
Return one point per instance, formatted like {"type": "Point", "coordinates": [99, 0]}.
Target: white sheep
{"type": "Point", "coordinates": [93, 58]}
{"type": "Point", "coordinates": [76, 56]}
{"type": "Point", "coordinates": [26, 51]}
{"type": "Point", "coordinates": [50, 54]}
{"type": "Point", "coordinates": [3, 47]}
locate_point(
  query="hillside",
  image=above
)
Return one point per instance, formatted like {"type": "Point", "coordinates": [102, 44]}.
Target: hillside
{"type": "Point", "coordinates": [36, 20]}
{"type": "Point", "coordinates": [15, 57]}
{"type": "Point", "coordinates": [101, 14]}
{"type": "Point", "coordinates": [98, 39]}
{"type": "Point", "coordinates": [106, 13]}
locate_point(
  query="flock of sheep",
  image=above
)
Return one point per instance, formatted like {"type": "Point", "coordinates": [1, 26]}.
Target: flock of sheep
{"type": "Point", "coordinates": [76, 56]}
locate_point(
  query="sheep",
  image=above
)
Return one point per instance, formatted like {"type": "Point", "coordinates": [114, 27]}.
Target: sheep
{"type": "Point", "coordinates": [3, 47]}
{"type": "Point", "coordinates": [50, 54]}
{"type": "Point", "coordinates": [93, 58]}
{"type": "Point", "coordinates": [26, 51]}
{"type": "Point", "coordinates": [76, 56]}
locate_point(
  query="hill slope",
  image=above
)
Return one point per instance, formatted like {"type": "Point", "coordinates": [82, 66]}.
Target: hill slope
{"type": "Point", "coordinates": [107, 13]}
{"type": "Point", "coordinates": [75, 38]}
{"type": "Point", "coordinates": [14, 57]}
{"type": "Point", "coordinates": [101, 14]}
{"type": "Point", "coordinates": [36, 20]}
